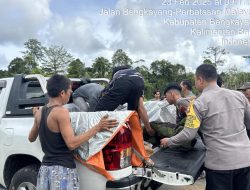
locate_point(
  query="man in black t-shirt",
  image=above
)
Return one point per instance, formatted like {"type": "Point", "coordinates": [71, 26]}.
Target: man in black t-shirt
{"type": "Point", "coordinates": [52, 124]}
{"type": "Point", "coordinates": [126, 86]}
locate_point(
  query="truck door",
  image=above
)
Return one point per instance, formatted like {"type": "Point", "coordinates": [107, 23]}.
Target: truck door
{"type": "Point", "coordinates": [3, 84]}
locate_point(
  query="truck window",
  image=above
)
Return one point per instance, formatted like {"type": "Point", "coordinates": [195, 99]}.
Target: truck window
{"type": "Point", "coordinates": [34, 90]}
{"type": "Point", "coordinates": [2, 85]}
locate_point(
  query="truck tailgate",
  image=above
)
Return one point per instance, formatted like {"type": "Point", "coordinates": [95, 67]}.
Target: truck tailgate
{"type": "Point", "coordinates": [181, 161]}
{"type": "Point", "coordinates": [175, 166]}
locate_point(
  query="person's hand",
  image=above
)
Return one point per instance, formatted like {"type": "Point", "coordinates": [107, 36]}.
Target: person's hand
{"type": "Point", "coordinates": [150, 131]}
{"type": "Point", "coordinates": [150, 163]}
{"type": "Point", "coordinates": [164, 142]}
{"type": "Point", "coordinates": [105, 123]}
{"type": "Point", "coordinates": [35, 110]}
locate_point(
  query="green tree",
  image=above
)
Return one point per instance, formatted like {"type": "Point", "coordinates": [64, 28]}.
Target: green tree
{"type": "Point", "coordinates": [37, 71]}
{"type": "Point", "coordinates": [138, 63]}
{"type": "Point", "coordinates": [179, 72]}
{"type": "Point", "coordinates": [18, 66]}
{"type": "Point", "coordinates": [56, 59]}
{"type": "Point", "coordinates": [89, 72]}
{"type": "Point", "coordinates": [76, 69]}
{"type": "Point", "coordinates": [101, 67]}
{"type": "Point", "coordinates": [144, 71]}
{"type": "Point", "coordinates": [30, 64]}
{"type": "Point", "coordinates": [149, 87]}
{"type": "Point", "coordinates": [33, 53]}
{"type": "Point", "coordinates": [162, 71]}
{"type": "Point", "coordinates": [207, 61]}
{"type": "Point", "coordinates": [215, 55]}
{"type": "Point", "coordinates": [233, 78]}
{"type": "Point", "coordinates": [4, 73]}
{"type": "Point", "coordinates": [120, 58]}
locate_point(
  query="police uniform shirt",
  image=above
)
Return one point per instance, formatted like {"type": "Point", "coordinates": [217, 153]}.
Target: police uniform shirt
{"type": "Point", "coordinates": [222, 116]}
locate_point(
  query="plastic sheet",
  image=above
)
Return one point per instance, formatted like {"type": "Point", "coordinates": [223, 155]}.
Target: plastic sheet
{"type": "Point", "coordinates": [160, 111]}
{"type": "Point", "coordinates": [83, 121]}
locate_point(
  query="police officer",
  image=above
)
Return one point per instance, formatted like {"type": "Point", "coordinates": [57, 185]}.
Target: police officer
{"type": "Point", "coordinates": [222, 117]}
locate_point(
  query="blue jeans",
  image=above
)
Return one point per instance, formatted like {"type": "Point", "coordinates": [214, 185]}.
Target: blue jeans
{"type": "Point", "coordinates": [57, 178]}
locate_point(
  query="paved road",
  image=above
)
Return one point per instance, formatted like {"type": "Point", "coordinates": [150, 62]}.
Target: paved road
{"type": "Point", "coordinates": [198, 185]}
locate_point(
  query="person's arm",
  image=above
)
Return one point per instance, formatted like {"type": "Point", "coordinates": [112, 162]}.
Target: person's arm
{"type": "Point", "coordinates": [144, 117]}
{"type": "Point", "coordinates": [189, 132]}
{"type": "Point", "coordinates": [186, 135]}
{"type": "Point", "coordinates": [33, 134]}
{"type": "Point", "coordinates": [67, 132]}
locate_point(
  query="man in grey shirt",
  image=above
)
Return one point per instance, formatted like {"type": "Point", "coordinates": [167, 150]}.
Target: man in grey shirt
{"type": "Point", "coordinates": [222, 116]}
{"type": "Point", "coordinates": [86, 96]}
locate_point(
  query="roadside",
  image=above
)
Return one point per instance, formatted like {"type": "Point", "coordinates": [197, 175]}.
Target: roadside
{"type": "Point", "coordinates": [198, 185]}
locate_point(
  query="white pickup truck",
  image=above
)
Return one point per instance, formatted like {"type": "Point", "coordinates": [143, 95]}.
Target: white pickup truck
{"type": "Point", "coordinates": [20, 160]}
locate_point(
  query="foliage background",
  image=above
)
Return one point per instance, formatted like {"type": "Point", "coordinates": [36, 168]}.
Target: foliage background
{"type": "Point", "coordinates": [38, 59]}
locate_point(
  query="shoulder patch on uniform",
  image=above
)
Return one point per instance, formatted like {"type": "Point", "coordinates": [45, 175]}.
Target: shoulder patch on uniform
{"type": "Point", "coordinates": [192, 120]}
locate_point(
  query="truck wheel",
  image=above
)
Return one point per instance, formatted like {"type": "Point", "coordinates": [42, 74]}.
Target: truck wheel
{"type": "Point", "coordinates": [25, 178]}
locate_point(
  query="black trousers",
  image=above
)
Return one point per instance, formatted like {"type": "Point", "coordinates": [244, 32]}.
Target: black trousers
{"type": "Point", "coordinates": [122, 90]}
{"type": "Point", "coordinates": [238, 179]}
